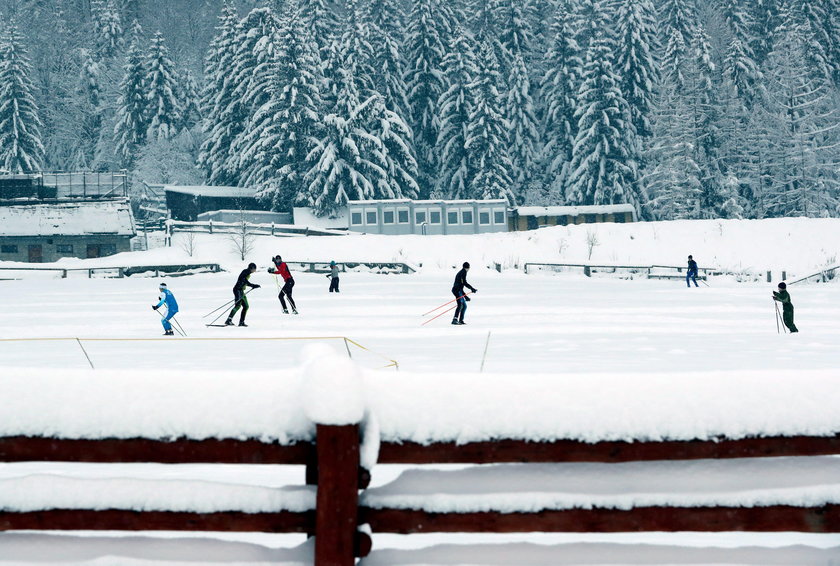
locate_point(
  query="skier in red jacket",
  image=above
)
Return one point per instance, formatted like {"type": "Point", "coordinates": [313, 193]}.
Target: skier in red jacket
{"type": "Point", "coordinates": [288, 283]}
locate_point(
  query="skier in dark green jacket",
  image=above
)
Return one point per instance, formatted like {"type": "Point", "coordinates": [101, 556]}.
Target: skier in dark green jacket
{"type": "Point", "coordinates": [783, 297]}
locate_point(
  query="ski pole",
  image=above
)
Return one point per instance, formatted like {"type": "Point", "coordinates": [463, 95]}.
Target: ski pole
{"type": "Point", "coordinates": [778, 330]}
{"type": "Point", "coordinates": [444, 304]}
{"type": "Point", "coordinates": [227, 304]}
{"type": "Point", "coordinates": [175, 325]}
{"type": "Point", "coordinates": [438, 316]}
{"type": "Point", "coordinates": [779, 315]}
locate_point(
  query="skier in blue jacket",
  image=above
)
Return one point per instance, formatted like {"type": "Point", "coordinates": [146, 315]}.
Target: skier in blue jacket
{"type": "Point", "coordinates": [168, 299]}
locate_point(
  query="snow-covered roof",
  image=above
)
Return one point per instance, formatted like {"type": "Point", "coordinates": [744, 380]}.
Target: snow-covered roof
{"type": "Point", "coordinates": [573, 210]}
{"type": "Point", "coordinates": [425, 202]}
{"type": "Point", "coordinates": [67, 219]}
{"type": "Point", "coordinates": [212, 191]}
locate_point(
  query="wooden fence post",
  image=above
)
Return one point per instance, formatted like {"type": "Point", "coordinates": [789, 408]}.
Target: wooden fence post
{"type": "Point", "coordinates": [337, 502]}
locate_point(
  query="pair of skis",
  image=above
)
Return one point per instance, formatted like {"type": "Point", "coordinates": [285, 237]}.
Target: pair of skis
{"type": "Point", "coordinates": [444, 312]}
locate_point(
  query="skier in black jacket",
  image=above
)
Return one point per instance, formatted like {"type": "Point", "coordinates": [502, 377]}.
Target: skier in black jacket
{"type": "Point", "coordinates": [239, 295]}
{"type": "Point", "coordinates": [458, 291]}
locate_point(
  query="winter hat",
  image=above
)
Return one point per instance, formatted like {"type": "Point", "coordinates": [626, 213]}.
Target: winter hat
{"type": "Point", "coordinates": [332, 263]}
{"type": "Point", "coordinates": [466, 265]}
{"type": "Point", "coordinates": [782, 285]}
{"type": "Point", "coordinates": [252, 266]}
{"type": "Point", "coordinates": [689, 257]}
{"type": "Point", "coordinates": [162, 285]}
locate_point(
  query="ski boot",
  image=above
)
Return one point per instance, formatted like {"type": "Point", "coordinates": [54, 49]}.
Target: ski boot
{"type": "Point", "coordinates": [242, 323]}
{"type": "Point", "coordinates": [294, 310]}
{"type": "Point", "coordinates": [228, 322]}
{"type": "Point", "coordinates": [455, 322]}
{"type": "Point", "coordinates": [285, 311]}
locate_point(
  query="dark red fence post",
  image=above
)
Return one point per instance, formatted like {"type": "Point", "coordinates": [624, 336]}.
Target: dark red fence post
{"type": "Point", "coordinates": [336, 516]}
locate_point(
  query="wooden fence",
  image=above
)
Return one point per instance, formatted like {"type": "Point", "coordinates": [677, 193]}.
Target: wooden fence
{"type": "Point", "coordinates": [332, 464]}
{"type": "Point", "coordinates": [272, 229]}
{"type": "Point", "coordinates": [125, 271]}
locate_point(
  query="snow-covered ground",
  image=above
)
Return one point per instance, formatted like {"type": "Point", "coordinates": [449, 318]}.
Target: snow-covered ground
{"type": "Point", "coordinates": [563, 332]}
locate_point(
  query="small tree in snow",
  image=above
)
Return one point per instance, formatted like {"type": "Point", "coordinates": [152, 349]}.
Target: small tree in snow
{"type": "Point", "coordinates": [241, 239]}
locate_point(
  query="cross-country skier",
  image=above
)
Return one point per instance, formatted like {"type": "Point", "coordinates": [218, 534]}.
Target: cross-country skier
{"type": "Point", "coordinates": [691, 274]}
{"type": "Point", "coordinates": [288, 283]}
{"type": "Point", "coordinates": [240, 296]}
{"type": "Point", "coordinates": [783, 297]}
{"type": "Point", "coordinates": [168, 299]}
{"type": "Point", "coordinates": [458, 291]}
{"type": "Point", "coordinates": [333, 277]}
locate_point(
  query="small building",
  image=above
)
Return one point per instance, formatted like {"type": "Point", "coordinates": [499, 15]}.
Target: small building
{"type": "Point", "coordinates": [185, 203]}
{"type": "Point", "coordinates": [39, 233]}
{"type": "Point", "coordinates": [427, 217]}
{"type": "Point", "coordinates": [533, 217]}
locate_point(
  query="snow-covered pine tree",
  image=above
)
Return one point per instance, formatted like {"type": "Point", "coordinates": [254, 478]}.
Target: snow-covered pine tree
{"type": "Point", "coordinates": [742, 73]}
{"type": "Point", "coordinates": [523, 127]}
{"type": "Point", "coordinates": [287, 127]}
{"type": "Point", "coordinates": [515, 27]}
{"type": "Point", "coordinates": [108, 30]}
{"type": "Point", "coordinates": [222, 112]}
{"type": "Point", "coordinates": [635, 63]}
{"type": "Point", "coordinates": [680, 17]}
{"type": "Point", "coordinates": [801, 131]}
{"type": "Point", "coordinates": [356, 51]}
{"type": "Point", "coordinates": [161, 87]}
{"type": "Point", "coordinates": [460, 68]}
{"type": "Point", "coordinates": [810, 17]}
{"type": "Point", "coordinates": [425, 52]}
{"type": "Point", "coordinates": [132, 113]}
{"type": "Point", "coordinates": [400, 179]}
{"type": "Point", "coordinates": [189, 99]}
{"type": "Point", "coordinates": [89, 109]}
{"type": "Point", "coordinates": [487, 133]}
{"type": "Point", "coordinates": [559, 88]}
{"type": "Point", "coordinates": [21, 149]}
{"type": "Point", "coordinates": [347, 163]}
{"type": "Point", "coordinates": [765, 15]}
{"type": "Point", "coordinates": [672, 177]}
{"type": "Point", "coordinates": [740, 22]}
{"type": "Point", "coordinates": [251, 72]}
{"type": "Point", "coordinates": [321, 17]}
{"type": "Point", "coordinates": [384, 19]}
{"type": "Point", "coordinates": [603, 167]}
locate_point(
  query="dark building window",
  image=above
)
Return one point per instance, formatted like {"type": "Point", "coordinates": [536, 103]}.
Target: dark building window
{"type": "Point", "coordinates": [107, 249]}
{"type": "Point", "coordinates": [620, 217]}
{"type": "Point", "coordinates": [466, 217]}
{"type": "Point", "coordinates": [484, 218]}
{"type": "Point", "coordinates": [402, 216]}
{"type": "Point", "coordinates": [452, 217]}
{"type": "Point", "coordinates": [589, 218]}
{"type": "Point", "coordinates": [434, 217]}
{"type": "Point", "coordinates": [356, 218]}
{"type": "Point", "coordinates": [64, 248]}
{"type": "Point", "coordinates": [9, 249]}
{"type": "Point", "coordinates": [420, 217]}
{"type": "Point", "coordinates": [388, 217]}
{"type": "Point", "coordinates": [499, 216]}
{"type": "Point", "coordinates": [370, 217]}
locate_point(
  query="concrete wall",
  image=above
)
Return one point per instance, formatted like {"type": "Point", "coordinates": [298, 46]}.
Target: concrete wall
{"type": "Point", "coordinates": [53, 248]}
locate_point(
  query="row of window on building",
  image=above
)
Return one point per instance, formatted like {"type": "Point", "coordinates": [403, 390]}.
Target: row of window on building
{"type": "Point", "coordinates": [401, 216]}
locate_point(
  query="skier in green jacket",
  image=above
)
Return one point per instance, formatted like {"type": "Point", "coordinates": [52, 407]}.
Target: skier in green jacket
{"type": "Point", "coordinates": [783, 297]}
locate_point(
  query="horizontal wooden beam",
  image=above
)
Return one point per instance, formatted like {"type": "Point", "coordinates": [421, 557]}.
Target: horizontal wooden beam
{"type": "Point", "coordinates": [133, 450]}
{"type": "Point", "coordinates": [503, 451]}
{"type": "Point", "coordinates": [777, 518]}
{"type": "Point", "coordinates": [122, 520]}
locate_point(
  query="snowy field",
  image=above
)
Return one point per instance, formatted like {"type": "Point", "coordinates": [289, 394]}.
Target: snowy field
{"type": "Point", "coordinates": [563, 327]}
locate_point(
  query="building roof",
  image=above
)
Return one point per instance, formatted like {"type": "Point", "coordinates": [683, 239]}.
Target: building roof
{"type": "Point", "coordinates": [68, 219]}
{"type": "Point", "coordinates": [426, 202]}
{"type": "Point", "coordinates": [574, 210]}
{"type": "Point", "coordinates": [212, 191]}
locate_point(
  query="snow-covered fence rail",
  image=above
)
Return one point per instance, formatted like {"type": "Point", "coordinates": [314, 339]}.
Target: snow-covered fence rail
{"type": "Point", "coordinates": [649, 271]}
{"type": "Point", "coordinates": [823, 276]}
{"type": "Point", "coordinates": [352, 266]}
{"type": "Point", "coordinates": [119, 271]}
{"type": "Point", "coordinates": [593, 453]}
{"type": "Point", "coordinates": [272, 229]}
